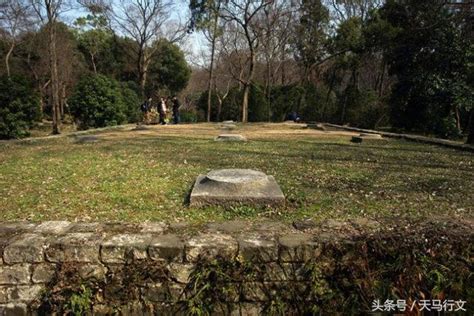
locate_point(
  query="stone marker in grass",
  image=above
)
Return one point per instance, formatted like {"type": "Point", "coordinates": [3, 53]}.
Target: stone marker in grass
{"type": "Point", "coordinates": [86, 139]}
{"type": "Point", "coordinates": [230, 138]}
{"type": "Point", "coordinates": [141, 127]}
{"type": "Point", "coordinates": [365, 136]}
{"type": "Point", "coordinates": [236, 186]}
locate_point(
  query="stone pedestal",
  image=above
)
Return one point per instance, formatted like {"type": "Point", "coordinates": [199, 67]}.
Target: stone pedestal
{"type": "Point", "coordinates": [230, 138]}
{"type": "Point", "coordinates": [365, 136]}
{"type": "Point", "coordinates": [236, 186]}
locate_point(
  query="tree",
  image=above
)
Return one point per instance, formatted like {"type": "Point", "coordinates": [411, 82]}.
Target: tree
{"type": "Point", "coordinates": [311, 36]}
{"type": "Point", "coordinates": [430, 56]}
{"type": "Point", "coordinates": [94, 40]}
{"type": "Point", "coordinates": [143, 20]}
{"type": "Point", "coordinates": [168, 70]}
{"type": "Point", "coordinates": [205, 17]}
{"type": "Point", "coordinates": [20, 107]}
{"type": "Point", "coordinates": [244, 14]}
{"type": "Point", "coordinates": [48, 12]}
{"type": "Point", "coordinates": [98, 102]}
{"type": "Point", "coordinates": [15, 18]}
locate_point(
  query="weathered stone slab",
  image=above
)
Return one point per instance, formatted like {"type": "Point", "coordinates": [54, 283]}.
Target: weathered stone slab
{"type": "Point", "coordinates": [75, 247]}
{"type": "Point", "coordinates": [317, 126]}
{"type": "Point", "coordinates": [86, 139]}
{"type": "Point", "coordinates": [298, 248]}
{"type": "Point", "coordinates": [236, 186]}
{"type": "Point", "coordinates": [43, 272]}
{"type": "Point", "coordinates": [53, 227]}
{"type": "Point", "coordinates": [141, 127]}
{"type": "Point", "coordinates": [16, 274]}
{"type": "Point", "coordinates": [153, 227]}
{"type": "Point", "coordinates": [210, 246]}
{"type": "Point", "coordinates": [257, 248]}
{"type": "Point", "coordinates": [25, 248]}
{"type": "Point", "coordinates": [166, 248]}
{"type": "Point", "coordinates": [25, 293]}
{"type": "Point", "coordinates": [92, 271]}
{"type": "Point", "coordinates": [14, 309]}
{"type": "Point", "coordinates": [230, 138]}
{"type": "Point", "coordinates": [365, 136]}
{"type": "Point", "coordinates": [117, 248]}
{"type": "Point", "coordinates": [181, 271]}
{"type": "Point", "coordinates": [16, 227]}
{"type": "Point", "coordinates": [228, 127]}
{"type": "Point", "coordinates": [228, 122]}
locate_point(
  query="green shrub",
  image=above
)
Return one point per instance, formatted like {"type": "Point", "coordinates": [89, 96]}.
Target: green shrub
{"type": "Point", "coordinates": [258, 104]}
{"type": "Point", "coordinates": [19, 107]}
{"type": "Point", "coordinates": [188, 116]}
{"type": "Point", "coordinates": [98, 102]}
{"type": "Point", "coordinates": [132, 102]}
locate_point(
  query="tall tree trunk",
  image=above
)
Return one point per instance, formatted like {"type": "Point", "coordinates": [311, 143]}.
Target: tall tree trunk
{"type": "Point", "coordinates": [267, 90]}
{"type": "Point", "coordinates": [93, 63]}
{"type": "Point", "coordinates": [53, 60]}
{"type": "Point", "coordinates": [245, 103]}
{"type": "Point", "coordinates": [470, 137]}
{"type": "Point", "coordinates": [7, 58]}
{"type": "Point", "coordinates": [248, 82]}
{"type": "Point", "coordinates": [211, 69]}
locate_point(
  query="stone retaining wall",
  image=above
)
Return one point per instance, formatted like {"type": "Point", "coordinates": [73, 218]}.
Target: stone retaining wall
{"type": "Point", "coordinates": [415, 138]}
{"type": "Point", "coordinates": [148, 267]}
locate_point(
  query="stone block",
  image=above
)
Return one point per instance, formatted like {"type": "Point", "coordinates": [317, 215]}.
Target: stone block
{"type": "Point", "coordinates": [75, 247]}
{"type": "Point", "coordinates": [25, 293]}
{"type": "Point", "coordinates": [160, 292]}
{"type": "Point", "coordinates": [181, 271]}
{"type": "Point", "coordinates": [257, 248]}
{"type": "Point", "coordinates": [235, 187]}
{"type": "Point", "coordinates": [13, 309]}
{"type": "Point", "coordinates": [298, 248]}
{"type": "Point", "coordinates": [16, 274]}
{"type": "Point", "coordinates": [3, 295]}
{"type": "Point", "coordinates": [230, 138]}
{"type": "Point", "coordinates": [166, 248]}
{"type": "Point", "coordinates": [365, 136]}
{"type": "Point", "coordinates": [53, 227]}
{"type": "Point", "coordinates": [15, 228]}
{"type": "Point", "coordinates": [117, 248]}
{"type": "Point", "coordinates": [229, 227]}
{"type": "Point", "coordinates": [86, 139]}
{"type": "Point", "coordinates": [247, 309]}
{"type": "Point", "coordinates": [254, 292]}
{"type": "Point", "coordinates": [152, 228]}
{"type": "Point", "coordinates": [25, 248]}
{"type": "Point", "coordinates": [209, 246]}
{"type": "Point", "coordinates": [43, 272]}
{"type": "Point", "coordinates": [92, 271]}
{"type": "Point", "coordinates": [84, 227]}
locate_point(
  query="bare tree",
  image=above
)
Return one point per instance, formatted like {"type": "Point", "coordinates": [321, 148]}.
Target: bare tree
{"type": "Point", "coordinates": [143, 21]}
{"type": "Point", "coordinates": [276, 24]}
{"type": "Point", "coordinates": [244, 14]}
{"type": "Point", "coordinates": [211, 33]}
{"type": "Point", "coordinates": [346, 9]}
{"type": "Point", "coordinates": [15, 18]}
{"type": "Point", "coordinates": [48, 12]}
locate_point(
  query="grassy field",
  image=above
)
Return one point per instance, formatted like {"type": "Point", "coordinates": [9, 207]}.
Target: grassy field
{"type": "Point", "coordinates": [147, 175]}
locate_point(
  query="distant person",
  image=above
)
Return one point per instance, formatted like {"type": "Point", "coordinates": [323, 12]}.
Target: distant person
{"type": "Point", "coordinates": [145, 108]}
{"type": "Point", "coordinates": [176, 106]}
{"type": "Point", "coordinates": [293, 116]}
{"type": "Point", "coordinates": [162, 110]}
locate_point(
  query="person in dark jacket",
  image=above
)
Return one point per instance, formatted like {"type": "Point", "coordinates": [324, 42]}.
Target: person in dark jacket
{"type": "Point", "coordinates": [145, 108]}
{"type": "Point", "coordinates": [176, 106]}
